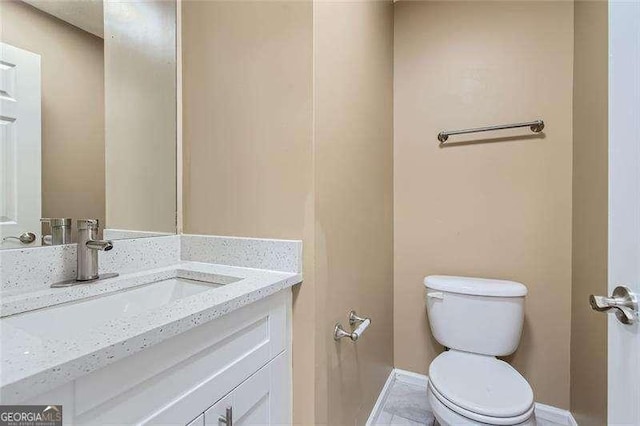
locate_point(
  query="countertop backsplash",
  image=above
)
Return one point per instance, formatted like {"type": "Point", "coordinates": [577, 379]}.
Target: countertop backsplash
{"type": "Point", "coordinates": [37, 268]}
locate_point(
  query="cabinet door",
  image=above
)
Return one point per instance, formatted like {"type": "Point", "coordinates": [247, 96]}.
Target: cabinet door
{"type": "Point", "coordinates": [260, 400]}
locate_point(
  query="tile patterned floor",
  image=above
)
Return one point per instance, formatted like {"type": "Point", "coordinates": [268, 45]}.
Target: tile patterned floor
{"type": "Point", "coordinates": [406, 405]}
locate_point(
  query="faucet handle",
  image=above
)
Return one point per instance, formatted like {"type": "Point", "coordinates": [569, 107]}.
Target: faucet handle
{"type": "Point", "coordinates": [88, 224]}
{"type": "Point", "coordinates": [55, 222]}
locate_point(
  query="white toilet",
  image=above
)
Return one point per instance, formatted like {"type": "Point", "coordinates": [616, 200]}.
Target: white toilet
{"type": "Point", "coordinates": [477, 319]}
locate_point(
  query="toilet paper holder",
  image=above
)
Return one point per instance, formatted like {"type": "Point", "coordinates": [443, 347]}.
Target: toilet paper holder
{"type": "Point", "coordinates": [363, 324]}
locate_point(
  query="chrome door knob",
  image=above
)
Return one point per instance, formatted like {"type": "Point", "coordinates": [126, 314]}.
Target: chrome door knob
{"type": "Point", "coordinates": [623, 302]}
{"type": "Point", "coordinates": [24, 238]}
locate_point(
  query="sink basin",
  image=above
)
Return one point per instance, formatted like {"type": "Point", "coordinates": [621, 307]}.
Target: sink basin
{"type": "Point", "coordinates": [57, 321]}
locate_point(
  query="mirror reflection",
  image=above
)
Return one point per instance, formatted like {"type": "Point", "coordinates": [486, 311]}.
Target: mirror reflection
{"type": "Point", "coordinates": [87, 119]}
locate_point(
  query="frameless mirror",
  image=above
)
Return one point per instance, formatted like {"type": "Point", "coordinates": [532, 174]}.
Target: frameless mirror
{"type": "Point", "coordinates": [87, 118]}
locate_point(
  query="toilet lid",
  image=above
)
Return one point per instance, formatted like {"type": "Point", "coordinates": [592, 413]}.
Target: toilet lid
{"type": "Point", "coordinates": [480, 384]}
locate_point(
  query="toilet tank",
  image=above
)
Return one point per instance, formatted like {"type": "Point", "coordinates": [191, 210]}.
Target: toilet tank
{"type": "Point", "coordinates": [477, 315]}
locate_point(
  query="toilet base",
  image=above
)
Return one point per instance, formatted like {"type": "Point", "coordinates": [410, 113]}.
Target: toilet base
{"type": "Point", "coordinates": [448, 417]}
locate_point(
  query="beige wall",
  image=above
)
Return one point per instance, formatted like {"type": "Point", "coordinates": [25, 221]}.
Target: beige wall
{"type": "Point", "coordinates": [247, 117]}
{"type": "Point", "coordinates": [266, 155]}
{"type": "Point", "coordinates": [500, 209]}
{"type": "Point", "coordinates": [590, 212]}
{"type": "Point", "coordinates": [72, 109]}
{"type": "Point", "coordinates": [248, 152]}
{"type": "Point", "coordinates": [353, 110]}
{"type": "Point", "coordinates": [140, 108]}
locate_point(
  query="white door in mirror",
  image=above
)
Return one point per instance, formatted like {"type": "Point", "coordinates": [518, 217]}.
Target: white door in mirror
{"type": "Point", "coordinates": [20, 144]}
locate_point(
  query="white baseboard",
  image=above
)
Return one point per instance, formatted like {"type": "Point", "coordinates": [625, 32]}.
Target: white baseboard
{"type": "Point", "coordinates": [555, 415]}
{"type": "Point", "coordinates": [410, 377]}
{"type": "Point", "coordinates": [543, 412]}
{"type": "Point", "coordinates": [377, 408]}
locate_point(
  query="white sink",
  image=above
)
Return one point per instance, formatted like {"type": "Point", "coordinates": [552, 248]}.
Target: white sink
{"type": "Point", "coordinates": [57, 321]}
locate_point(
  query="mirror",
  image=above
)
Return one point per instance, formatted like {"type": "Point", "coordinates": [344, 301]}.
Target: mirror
{"type": "Point", "coordinates": [87, 117]}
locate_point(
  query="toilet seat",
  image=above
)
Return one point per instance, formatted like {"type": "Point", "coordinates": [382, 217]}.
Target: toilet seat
{"type": "Point", "coordinates": [481, 388]}
{"type": "Point", "coordinates": [475, 417]}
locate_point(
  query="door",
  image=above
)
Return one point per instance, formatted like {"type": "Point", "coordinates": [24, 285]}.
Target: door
{"type": "Point", "coordinates": [248, 404]}
{"type": "Point", "coordinates": [20, 144]}
{"type": "Point", "coordinates": [624, 206]}
{"type": "Point", "coordinates": [262, 399]}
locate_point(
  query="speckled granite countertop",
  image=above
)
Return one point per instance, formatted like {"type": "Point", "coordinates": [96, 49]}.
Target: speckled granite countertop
{"type": "Point", "coordinates": [32, 364]}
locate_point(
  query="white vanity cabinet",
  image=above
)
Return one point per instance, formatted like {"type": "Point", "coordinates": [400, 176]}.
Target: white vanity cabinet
{"type": "Point", "coordinates": [240, 360]}
{"type": "Point", "coordinates": [257, 401]}
{"type": "Point", "coordinates": [198, 421]}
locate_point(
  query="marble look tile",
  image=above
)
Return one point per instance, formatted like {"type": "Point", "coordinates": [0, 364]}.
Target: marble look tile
{"type": "Point", "coordinates": [399, 420]}
{"type": "Point", "coordinates": [407, 404]}
{"type": "Point", "coordinates": [409, 401]}
{"type": "Point", "coordinates": [384, 418]}
{"type": "Point", "coordinates": [274, 255]}
{"type": "Point", "coordinates": [545, 422]}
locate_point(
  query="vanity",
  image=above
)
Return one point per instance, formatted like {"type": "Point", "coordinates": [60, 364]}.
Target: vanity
{"type": "Point", "coordinates": [202, 338]}
{"type": "Point", "coordinates": [105, 309]}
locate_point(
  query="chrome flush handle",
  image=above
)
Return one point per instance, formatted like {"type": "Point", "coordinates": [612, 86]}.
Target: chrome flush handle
{"type": "Point", "coordinates": [623, 302]}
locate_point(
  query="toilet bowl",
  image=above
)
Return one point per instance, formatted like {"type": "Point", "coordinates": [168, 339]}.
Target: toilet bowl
{"type": "Point", "coordinates": [477, 319]}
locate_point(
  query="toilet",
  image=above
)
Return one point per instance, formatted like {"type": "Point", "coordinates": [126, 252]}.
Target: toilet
{"type": "Point", "coordinates": [477, 319]}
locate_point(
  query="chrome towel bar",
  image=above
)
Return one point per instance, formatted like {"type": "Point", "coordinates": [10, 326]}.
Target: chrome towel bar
{"type": "Point", "coordinates": [535, 126]}
{"type": "Point", "coordinates": [363, 324]}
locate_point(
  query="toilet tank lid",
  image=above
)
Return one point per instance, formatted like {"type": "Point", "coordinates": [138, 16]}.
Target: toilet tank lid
{"type": "Point", "coordinates": [475, 286]}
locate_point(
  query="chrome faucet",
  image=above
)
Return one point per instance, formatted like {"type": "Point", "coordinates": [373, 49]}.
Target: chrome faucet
{"type": "Point", "coordinates": [88, 247]}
